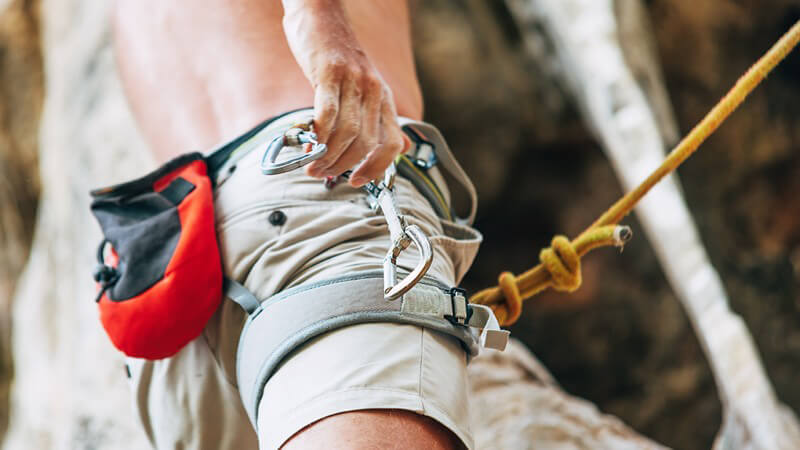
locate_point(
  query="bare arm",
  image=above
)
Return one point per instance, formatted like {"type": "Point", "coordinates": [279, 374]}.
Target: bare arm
{"type": "Point", "coordinates": [354, 111]}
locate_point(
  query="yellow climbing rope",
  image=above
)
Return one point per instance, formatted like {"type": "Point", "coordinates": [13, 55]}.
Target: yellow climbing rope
{"type": "Point", "coordinates": [560, 263]}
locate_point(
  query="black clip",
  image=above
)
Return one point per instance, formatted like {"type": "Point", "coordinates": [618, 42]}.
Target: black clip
{"type": "Point", "coordinates": [456, 292]}
{"type": "Point", "coordinates": [419, 141]}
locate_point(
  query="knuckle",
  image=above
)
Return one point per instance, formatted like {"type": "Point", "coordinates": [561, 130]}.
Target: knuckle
{"type": "Point", "coordinates": [372, 84]}
{"type": "Point", "coordinates": [336, 68]}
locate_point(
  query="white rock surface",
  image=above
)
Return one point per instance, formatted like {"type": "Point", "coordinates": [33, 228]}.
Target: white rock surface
{"type": "Point", "coordinates": [70, 386]}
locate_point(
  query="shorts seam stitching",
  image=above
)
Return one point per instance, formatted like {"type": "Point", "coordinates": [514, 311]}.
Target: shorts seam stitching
{"type": "Point", "coordinates": [421, 359]}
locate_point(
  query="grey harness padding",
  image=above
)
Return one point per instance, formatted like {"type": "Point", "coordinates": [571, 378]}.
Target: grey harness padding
{"type": "Point", "coordinates": [448, 162]}
{"type": "Point", "coordinates": [285, 321]}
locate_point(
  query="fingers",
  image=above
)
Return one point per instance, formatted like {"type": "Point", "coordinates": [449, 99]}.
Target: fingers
{"type": "Point", "coordinates": [369, 135]}
{"type": "Point", "coordinates": [392, 143]}
{"type": "Point", "coordinates": [340, 132]}
{"type": "Point", "coordinates": [326, 108]}
{"type": "Point", "coordinates": [355, 116]}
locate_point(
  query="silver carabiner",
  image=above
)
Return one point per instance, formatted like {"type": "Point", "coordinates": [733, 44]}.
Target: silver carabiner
{"type": "Point", "coordinates": [402, 236]}
{"type": "Point", "coordinates": [294, 136]}
{"type": "Point", "coordinates": [393, 289]}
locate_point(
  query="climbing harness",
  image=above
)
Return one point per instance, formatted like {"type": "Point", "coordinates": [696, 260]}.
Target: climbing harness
{"type": "Point", "coordinates": [559, 265]}
{"type": "Point", "coordinates": [146, 317]}
{"type": "Point", "coordinates": [382, 195]}
{"type": "Point", "coordinates": [283, 322]}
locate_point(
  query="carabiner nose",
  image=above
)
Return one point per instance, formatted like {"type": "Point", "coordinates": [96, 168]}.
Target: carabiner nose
{"type": "Point", "coordinates": [292, 137]}
{"type": "Point", "coordinates": [411, 234]}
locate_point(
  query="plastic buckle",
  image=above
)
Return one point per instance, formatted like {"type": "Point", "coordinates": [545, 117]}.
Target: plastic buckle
{"type": "Point", "coordinates": [461, 308]}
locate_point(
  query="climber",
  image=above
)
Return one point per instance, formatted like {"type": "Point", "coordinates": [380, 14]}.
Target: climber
{"type": "Point", "coordinates": [198, 75]}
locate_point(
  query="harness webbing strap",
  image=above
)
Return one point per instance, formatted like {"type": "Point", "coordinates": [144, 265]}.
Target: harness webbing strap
{"type": "Point", "coordinates": [292, 317]}
{"type": "Point", "coordinates": [219, 156]}
{"type": "Point", "coordinates": [448, 161]}
{"type": "Point", "coordinates": [241, 296]}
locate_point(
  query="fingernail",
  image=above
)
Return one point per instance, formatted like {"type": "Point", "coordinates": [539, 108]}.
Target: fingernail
{"type": "Point", "coordinates": [358, 181]}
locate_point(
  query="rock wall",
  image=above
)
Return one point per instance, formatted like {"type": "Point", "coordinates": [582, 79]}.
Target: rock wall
{"type": "Point", "coordinates": [20, 105]}
{"type": "Point", "coordinates": [70, 389]}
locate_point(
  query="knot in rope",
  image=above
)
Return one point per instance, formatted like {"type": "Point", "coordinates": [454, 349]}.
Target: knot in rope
{"type": "Point", "coordinates": [511, 308]}
{"type": "Point", "coordinates": [563, 263]}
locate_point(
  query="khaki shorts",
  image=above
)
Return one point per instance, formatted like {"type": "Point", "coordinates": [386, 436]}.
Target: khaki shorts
{"type": "Point", "coordinates": [285, 230]}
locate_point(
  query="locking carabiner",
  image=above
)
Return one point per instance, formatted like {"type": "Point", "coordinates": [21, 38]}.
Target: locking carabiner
{"type": "Point", "coordinates": [402, 236]}
{"type": "Point", "coordinates": [295, 136]}
{"type": "Point", "coordinates": [392, 289]}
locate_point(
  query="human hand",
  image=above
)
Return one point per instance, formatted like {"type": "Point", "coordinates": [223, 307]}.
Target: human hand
{"type": "Point", "coordinates": [354, 111]}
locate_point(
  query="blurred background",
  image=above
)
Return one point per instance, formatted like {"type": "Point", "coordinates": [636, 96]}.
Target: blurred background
{"type": "Point", "coordinates": [622, 341]}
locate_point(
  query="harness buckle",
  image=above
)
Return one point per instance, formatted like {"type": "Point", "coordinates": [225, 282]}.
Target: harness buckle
{"type": "Point", "coordinates": [460, 305]}
{"type": "Point", "coordinates": [295, 136]}
{"type": "Point", "coordinates": [425, 153]}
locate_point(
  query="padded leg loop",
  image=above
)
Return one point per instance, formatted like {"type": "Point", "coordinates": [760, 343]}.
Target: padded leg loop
{"type": "Point", "coordinates": [291, 318]}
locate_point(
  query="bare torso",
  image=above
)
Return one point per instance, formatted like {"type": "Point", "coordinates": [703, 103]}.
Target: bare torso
{"type": "Point", "coordinates": [225, 65]}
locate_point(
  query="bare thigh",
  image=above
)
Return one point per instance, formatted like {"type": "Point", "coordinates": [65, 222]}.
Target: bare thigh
{"type": "Point", "coordinates": [368, 429]}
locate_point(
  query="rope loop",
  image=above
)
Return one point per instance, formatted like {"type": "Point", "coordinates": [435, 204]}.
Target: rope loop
{"type": "Point", "coordinates": [563, 263]}
{"type": "Point", "coordinates": [511, 308]}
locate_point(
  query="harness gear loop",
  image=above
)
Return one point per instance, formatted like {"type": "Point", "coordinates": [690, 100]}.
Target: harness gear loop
{"type": "Point", "coordinates": [604, 231]}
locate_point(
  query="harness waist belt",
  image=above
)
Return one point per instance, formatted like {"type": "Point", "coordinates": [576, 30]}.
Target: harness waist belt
{"type": "Point", "coordinates": [292, 317]}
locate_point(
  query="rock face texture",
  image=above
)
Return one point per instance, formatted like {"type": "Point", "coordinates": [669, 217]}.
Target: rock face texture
{"type": "Point", "coordinates": [20, 105]}
{"type": "Point", "coordinates": [516, 404]}
{"type": "Point", "coordinates": [70, 388]}
{"type": "Point", "coordinates": [622, 341]}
